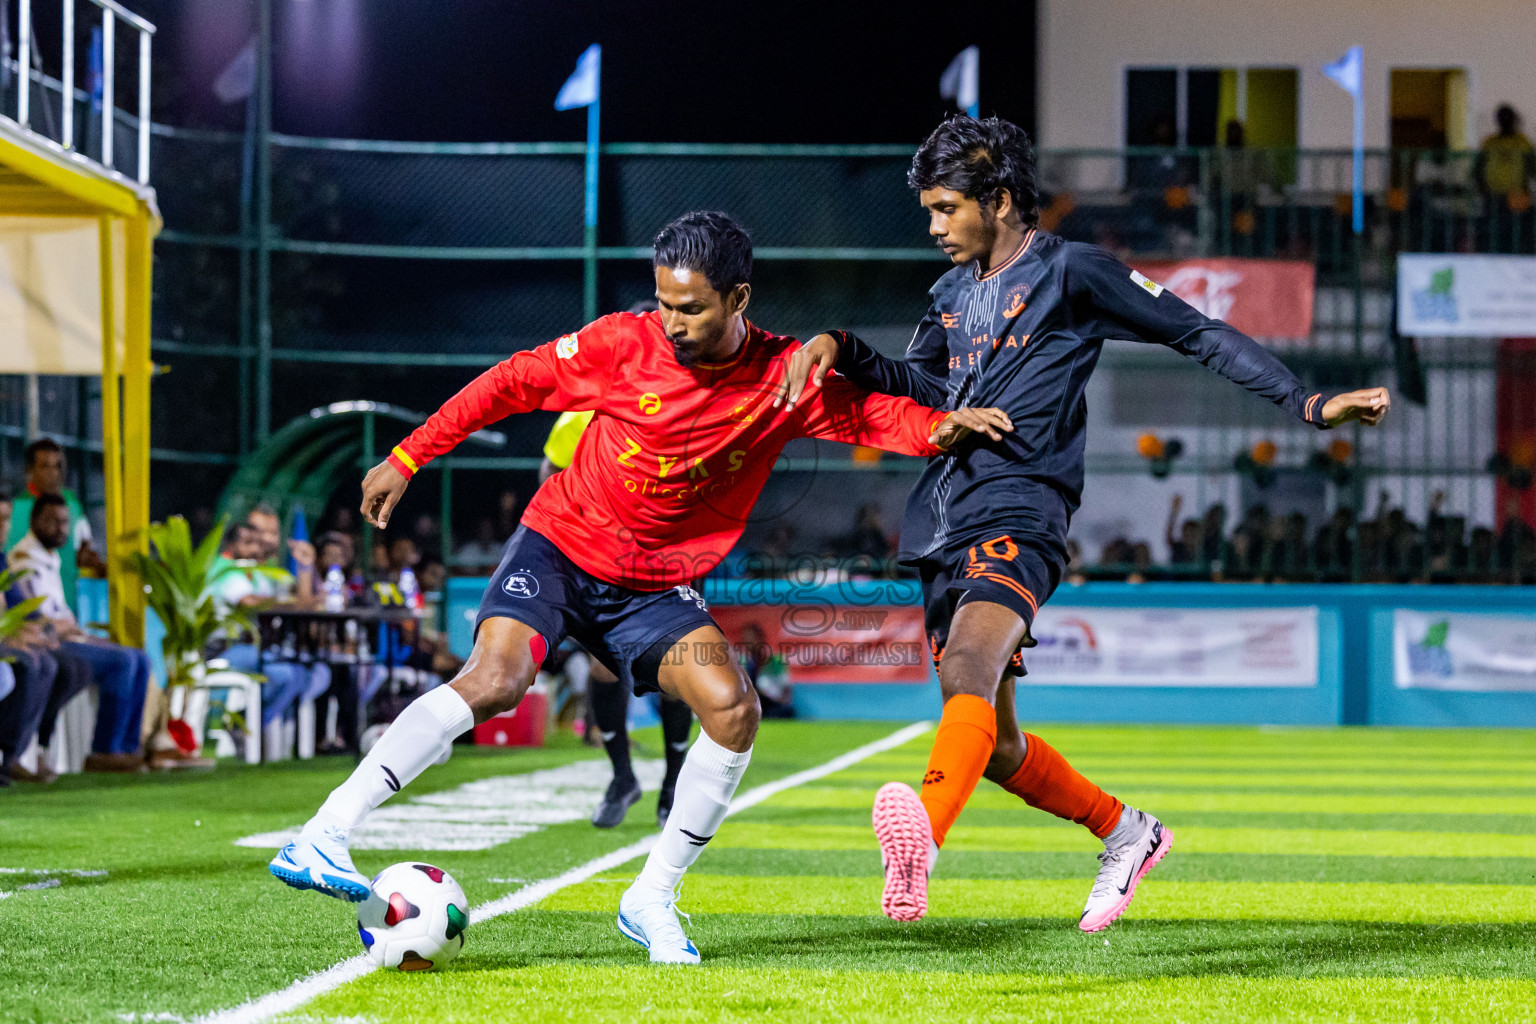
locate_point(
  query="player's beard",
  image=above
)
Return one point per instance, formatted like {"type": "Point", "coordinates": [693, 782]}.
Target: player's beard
{"type": "Point", "coordinates": [686, 352]}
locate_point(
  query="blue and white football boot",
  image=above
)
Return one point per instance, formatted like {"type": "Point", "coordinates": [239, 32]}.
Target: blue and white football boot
{"type": "Point", "coordinates": [649, 917]}
{"type": "Point", "coordinates": [318, 859]}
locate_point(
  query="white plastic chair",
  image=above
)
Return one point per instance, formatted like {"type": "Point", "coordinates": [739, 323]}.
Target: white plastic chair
{"type": "Point", "coordinates": [244, 696]}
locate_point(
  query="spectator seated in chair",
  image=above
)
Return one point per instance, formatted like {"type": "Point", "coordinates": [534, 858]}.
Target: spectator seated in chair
{"type": "Point", "coordinates": [121, 673]}
{"type": "Point", "coordinates": [239, 580]}
{"type": "Point", "coordinates": [46, 679]}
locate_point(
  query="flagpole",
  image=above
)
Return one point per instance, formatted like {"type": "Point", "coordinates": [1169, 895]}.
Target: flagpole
{"type": "Point", "coordinates": [263, 220]}
{"type": "Point", "coordinates": [589, 283]}
{"type": "Point", "coordinates": [1359, 161]}
{"type": "Point", "coordinates": [247, 176]}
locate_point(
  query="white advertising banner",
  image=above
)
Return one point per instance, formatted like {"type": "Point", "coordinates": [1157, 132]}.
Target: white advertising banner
{"type": "Point", "coordinates": [1173, 647]}
{"type": "Point", "coordinates": [1466, 296]}
{"type": "Point", "coordinates": [1471, 653]}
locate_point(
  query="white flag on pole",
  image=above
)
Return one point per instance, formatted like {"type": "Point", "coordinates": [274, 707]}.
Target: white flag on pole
{"type": "Point", "coordinates": [1346, 71]}
{"type": "Point", "coordinates": [961, 81]}
{"type": "Point", "coordinates": [580, 90]}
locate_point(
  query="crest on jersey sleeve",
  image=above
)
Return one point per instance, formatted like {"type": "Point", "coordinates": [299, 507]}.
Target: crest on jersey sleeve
{"type": "Point", "coordinates": [565, 347]}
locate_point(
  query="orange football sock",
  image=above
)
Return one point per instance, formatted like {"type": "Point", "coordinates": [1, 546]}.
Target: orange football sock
{"type": "Point", "coordinates": [1045, 780]}
{"type": "Point", "coordinates": [961, 748]}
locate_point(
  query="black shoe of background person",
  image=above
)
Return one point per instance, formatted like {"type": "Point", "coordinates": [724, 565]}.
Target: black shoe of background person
{"type": "Point", "coordinates": [664, 804]}
{"type": "Point", "coordinates": [621, 796]}
{"type": "Point", "coordinates": [115, 763]}
{"type": "Point", "coordinates": [43, 776]}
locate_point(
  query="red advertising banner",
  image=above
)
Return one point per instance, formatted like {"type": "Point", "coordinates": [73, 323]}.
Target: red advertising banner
{"type": "Point", "coordinates": [1263, 298]}
{"type": "Point", "coordinates": [826, 643]}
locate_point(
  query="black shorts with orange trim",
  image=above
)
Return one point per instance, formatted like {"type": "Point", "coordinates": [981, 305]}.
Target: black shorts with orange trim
{"type": "Point", "coordinates": [1017, 568]}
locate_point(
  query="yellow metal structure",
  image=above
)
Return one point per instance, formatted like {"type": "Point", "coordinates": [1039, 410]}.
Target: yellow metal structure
{"type": "Point", "coordinates": [40, 179]}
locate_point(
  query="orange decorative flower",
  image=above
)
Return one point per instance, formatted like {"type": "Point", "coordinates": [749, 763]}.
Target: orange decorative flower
{"type": "Point", "coordinates": [1340, 450]}
{"type": "Point", "coordinates": [1176, 197]}
{"type": "Point", "coordinates": [1243, 222]}
{"type": "Point", "coordinates": [1397, 199]}
{"type": "Point", "coordinates": [1522, 451]}
{"type": "Point", "coordinates": [1149, 446]}
{"type": "Point", "coordinates": [1519, 202]}
{"type": "Point", "coordinates": [1264, 453]}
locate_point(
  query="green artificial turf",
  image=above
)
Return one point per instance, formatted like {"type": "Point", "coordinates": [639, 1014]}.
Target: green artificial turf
{"type": "Point", "coordinates": [1316, 874]}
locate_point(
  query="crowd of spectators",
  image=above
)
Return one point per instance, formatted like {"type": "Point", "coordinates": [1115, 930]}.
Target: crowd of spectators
{"type": "Point", "coordinates": [1388, 548]}
{"type": "Point", "coordinates": [53, 656]}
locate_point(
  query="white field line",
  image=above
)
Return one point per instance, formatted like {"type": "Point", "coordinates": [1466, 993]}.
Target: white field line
{"type": "Point", "coordinates": [264, 1008]}
{"type": "Point", "coordinates": [485, 813]}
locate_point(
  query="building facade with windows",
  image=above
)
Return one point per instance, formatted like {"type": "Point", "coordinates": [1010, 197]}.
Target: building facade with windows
{"type": "Point", "coordinates": [1125, 72]}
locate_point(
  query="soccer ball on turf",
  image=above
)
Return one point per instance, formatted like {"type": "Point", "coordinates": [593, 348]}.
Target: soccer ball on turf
{"type": "Point", "coordinates": [414, 917]}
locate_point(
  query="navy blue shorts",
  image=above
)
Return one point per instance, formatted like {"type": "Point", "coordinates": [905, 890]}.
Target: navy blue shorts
{"type": "Point", "coordinates": [1015, 568]}
{"type": "Point", "coordinates": [629, 631]}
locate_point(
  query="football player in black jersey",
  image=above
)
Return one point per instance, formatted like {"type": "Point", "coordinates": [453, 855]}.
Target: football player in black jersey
{"type": "Point", "coordinates": [1018, 323]}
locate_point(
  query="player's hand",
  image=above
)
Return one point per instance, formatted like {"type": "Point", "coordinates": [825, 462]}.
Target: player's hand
{"type": "Point", "coordinates": [962, 423]}
{"type": "Point", "coordinates": [1369, 406]}
{"type": "Point", "coordinates": [382, 488]}
{"type": "Point", "coordinates": [809, 363]}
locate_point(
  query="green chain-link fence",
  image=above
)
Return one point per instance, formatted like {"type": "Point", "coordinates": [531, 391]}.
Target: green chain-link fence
{"type": "Point", "coordinates": [397, 270]}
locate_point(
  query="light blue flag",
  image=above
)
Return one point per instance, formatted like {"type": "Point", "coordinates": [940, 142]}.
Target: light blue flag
{"type": "Point", "coordinates": [93, 70]}
{"type": "Point", "coordinates": [580, 90]}
{"type": "Point", "coordinates": [961, 81]}
{"type": "Point", "coordinates": [1346, 71]}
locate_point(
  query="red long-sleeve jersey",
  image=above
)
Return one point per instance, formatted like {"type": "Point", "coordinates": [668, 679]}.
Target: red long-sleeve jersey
{"type": "Point", "coordinates": [667, 472]}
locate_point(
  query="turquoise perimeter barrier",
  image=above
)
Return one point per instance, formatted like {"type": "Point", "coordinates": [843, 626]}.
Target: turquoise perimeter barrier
{"type": "Point", "coordinates": [1355, 654]}
{"type": "Point", "coordinates": [1355, 670]}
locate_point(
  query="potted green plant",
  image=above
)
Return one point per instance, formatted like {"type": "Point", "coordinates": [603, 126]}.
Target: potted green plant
{"type": "Point", "coordinates": [14, 618]}
{"type": "Point", "coordinates": [179, 580]}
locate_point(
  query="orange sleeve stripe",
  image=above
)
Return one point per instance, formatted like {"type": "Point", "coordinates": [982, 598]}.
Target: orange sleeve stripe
{"type": "Point", "coordinates": [405, 460]}
{"type": "Point", "coordinates": [1311, 402]}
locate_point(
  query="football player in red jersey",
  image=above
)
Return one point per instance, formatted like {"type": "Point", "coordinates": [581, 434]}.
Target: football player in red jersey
{"type": "Point", "coordinates": [684, 435]}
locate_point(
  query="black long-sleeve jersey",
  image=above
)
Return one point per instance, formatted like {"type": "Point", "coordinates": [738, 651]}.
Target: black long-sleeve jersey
{"type": "Point", "coordinates": [1025, 337]}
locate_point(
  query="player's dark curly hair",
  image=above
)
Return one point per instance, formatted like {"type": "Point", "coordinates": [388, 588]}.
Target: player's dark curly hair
{"type": "Point", "coordinates": [707, 242]}
{"type": "Point", "coordinates": [979, 158]}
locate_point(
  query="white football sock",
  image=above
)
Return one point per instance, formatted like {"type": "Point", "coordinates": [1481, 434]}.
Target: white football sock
{"type": "Point", "coordinates": [705, 786]}
{"type": "Point", "coordinates": [422, 734]}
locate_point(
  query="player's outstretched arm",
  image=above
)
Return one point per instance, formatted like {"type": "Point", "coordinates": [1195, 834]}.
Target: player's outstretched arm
{"type": "Point", "coordinates": [570, 373]}
{"type": "Point", "coordinates": [838, 411]}
{"type": "Point", "coordinates": [1368, 405]}
{"type": "Point", "coordinates": [1122, 304]}
{"type": "Point", "coordinates": [921, 376]}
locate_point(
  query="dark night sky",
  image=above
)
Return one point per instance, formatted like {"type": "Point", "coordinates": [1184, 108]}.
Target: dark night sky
{"type": "Point", "coordinates": [674, 71]}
